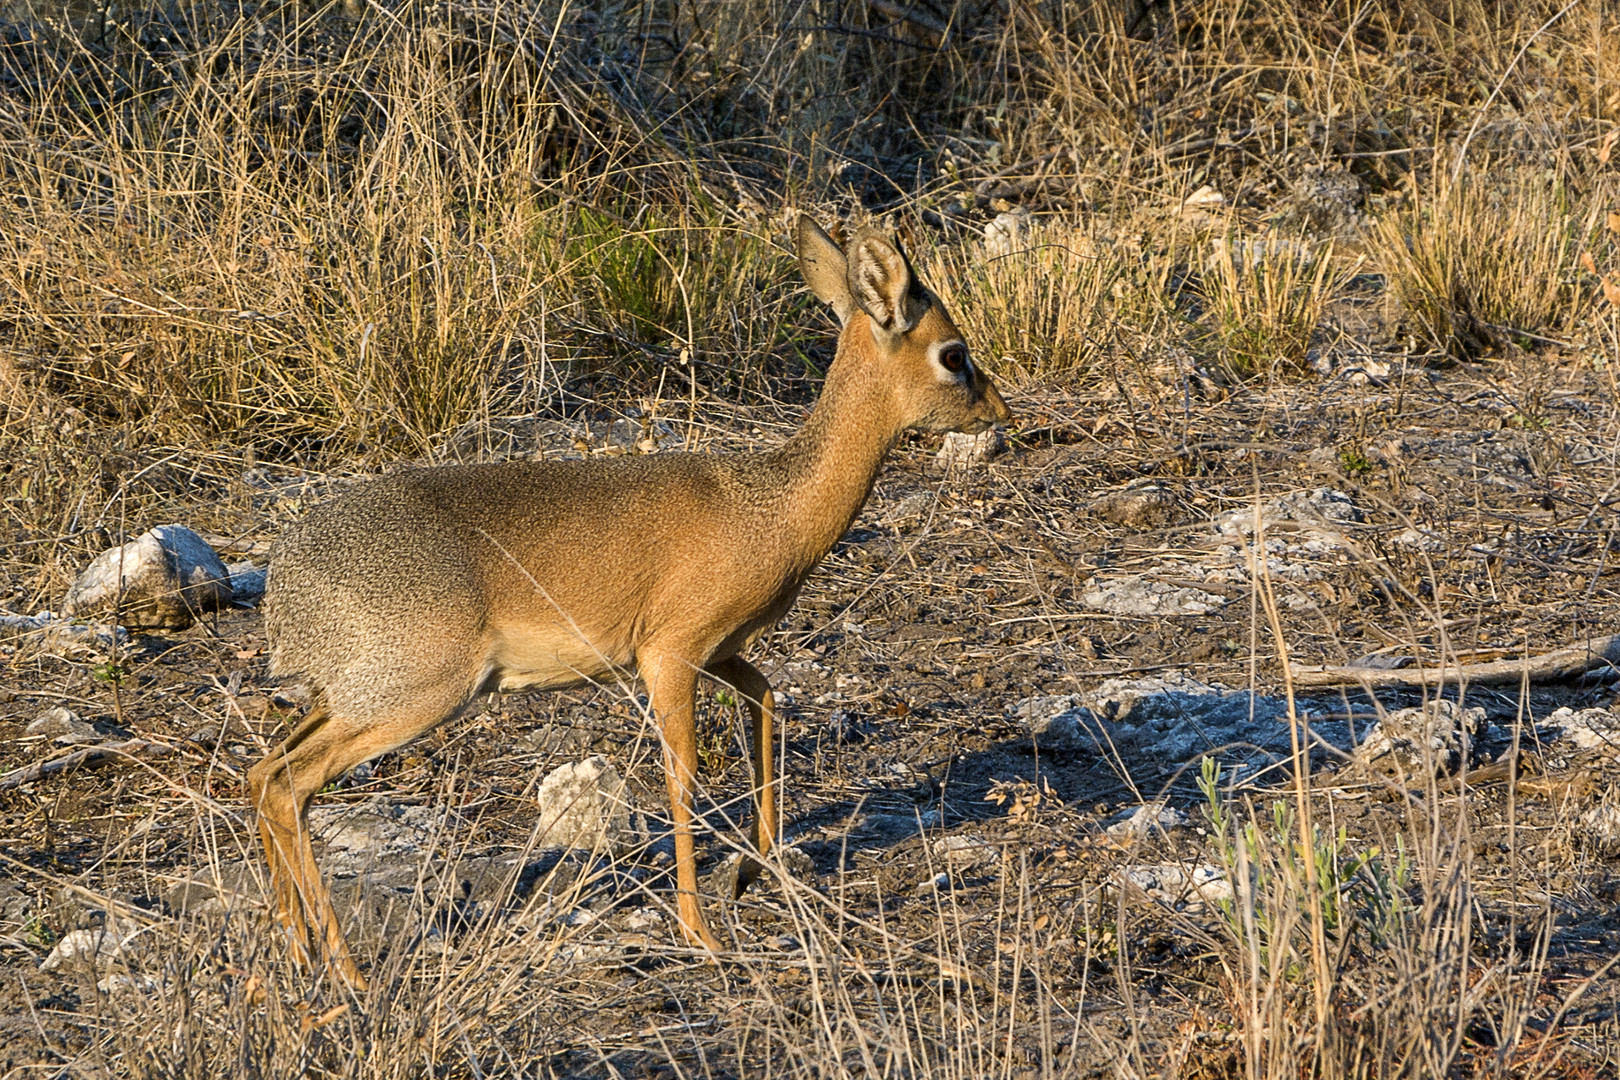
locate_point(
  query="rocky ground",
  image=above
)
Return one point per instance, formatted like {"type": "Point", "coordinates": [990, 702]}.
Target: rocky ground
{"type": "Point", "coordinates": [998, 694]}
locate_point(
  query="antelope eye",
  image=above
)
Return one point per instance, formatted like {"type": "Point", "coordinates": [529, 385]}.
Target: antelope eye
{"type": "Point", "coordinates": [954, 359]}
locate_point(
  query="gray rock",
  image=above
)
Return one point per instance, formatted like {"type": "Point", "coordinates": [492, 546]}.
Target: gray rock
{"type": "Point", "coordinates": [584, 804]}
{"type": "Point", "coordinates": [247, 583]}
{"type": "Point", "coordinates": [1142, 822]}
{"type": "Point", "coordinates": [1427, 741]}
{"type": "Point", "coordinates": [645, 919]}
{"type": "Point", "coordinates": [62, 636]}
{"type": "Point", "coordinates": [63, 725]}
{"type": "Point", "coordinates": [963, 849]}
{"type": "Point", "coordinates": [1059, 724]}
{"type": "Point", "coordinates": [80, 639]}
{"type": "Point", "coordinates": [361, 836]}
{"type": "Point", "coordinates": [1134, 595]}
{"type": "Point", "coordinates": [16, 626]}
{"type": "Point", "coordinates": [1318, 506]}
{"type": "Point", "coordinates": [162, 579]}
{"type": "Point", "coordinates": [1171, 719]}
{"type": "Point", "coordinates": [1140, 506]}
{"type": "Point", "coordinates": [1174, 884]}
{"type": "Point", "coordinates": [1588, 729]}
{"type": "Point", "coordinates": [1602, 827]}
{"type": "Point", "coordinates": [82, 950]}
{"type": "Point", "coordinates": [1008, 233]}
{"type": "Point", "coordinates": [123, 983]}
{"type": "Point", "coordinates": [959, 452]}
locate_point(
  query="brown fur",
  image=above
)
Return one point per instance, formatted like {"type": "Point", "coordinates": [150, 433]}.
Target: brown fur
{"type": "Point", "coordinates": [400, 602]}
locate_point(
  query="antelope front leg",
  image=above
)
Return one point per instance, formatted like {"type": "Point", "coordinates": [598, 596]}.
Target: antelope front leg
{"type": "Point", "coordinates": [672, 684]}
{"type": "Point", "coordinates": [755, 691]}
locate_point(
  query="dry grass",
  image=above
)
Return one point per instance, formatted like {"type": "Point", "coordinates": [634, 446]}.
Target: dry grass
{"type": "Point", "coordinates": [306, 233]}
{"type": "Point", "coordinates": [1265, 300]}
{"type": "Point", "coordinates": [1482, 261]}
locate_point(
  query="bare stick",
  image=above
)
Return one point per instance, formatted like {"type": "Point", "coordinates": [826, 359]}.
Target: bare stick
{"type": "Point", "coordinates": [90, 755]}
{"type": "Point", "coordinates": [1559, 664]}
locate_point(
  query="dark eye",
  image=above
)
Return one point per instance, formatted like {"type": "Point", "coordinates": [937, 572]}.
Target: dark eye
{"type": "Point", "coordinates": [954, 358]}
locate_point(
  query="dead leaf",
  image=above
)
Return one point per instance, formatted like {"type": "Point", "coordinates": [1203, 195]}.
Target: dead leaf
{"type": "Point", "coordinates": [315, 1023]}
{"type": "Point", "coordinates": [1614, 221]}
{"type": "Point", "coordinates": [1611, 290]}
{"type": "Point", "coordinates": [1588, 263]}
{"type": "Point", "coordinates": [1607, 148]}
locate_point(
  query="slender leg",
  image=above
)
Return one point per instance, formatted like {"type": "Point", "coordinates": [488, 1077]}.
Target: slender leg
{"type": "Point", "coordinates": [671, 683]}
{"type": "Point", "coordinates": [271, 794]}
{"type": "Point", "coordinates": [756, 694]}
{"type": "Point", "coordinates": [281, 787]}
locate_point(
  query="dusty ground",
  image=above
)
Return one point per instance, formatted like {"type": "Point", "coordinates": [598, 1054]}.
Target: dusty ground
{"type": "Point", "coordinates": [954, 598]}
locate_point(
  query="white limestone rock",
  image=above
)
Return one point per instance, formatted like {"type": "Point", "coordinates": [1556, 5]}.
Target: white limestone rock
{"type": "Point", "coordinates": [162, 579]}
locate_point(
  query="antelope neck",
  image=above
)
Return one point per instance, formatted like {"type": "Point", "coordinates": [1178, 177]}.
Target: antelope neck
{"type": "Point", "coordinates": [829, 465]}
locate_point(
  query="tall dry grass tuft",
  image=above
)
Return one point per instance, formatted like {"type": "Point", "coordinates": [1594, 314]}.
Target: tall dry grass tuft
{"type": "Point", "coordinates": [1265, 297]}
{"type": "Point", "coordinates": [311, 242]}
{"type": "Point", "coordinates": [1037, 299]}
{"type": "Point", "coordinates": [1476, 262]}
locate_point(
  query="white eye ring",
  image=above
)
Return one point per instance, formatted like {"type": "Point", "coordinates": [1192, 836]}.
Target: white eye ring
{"type": "Point", "coordinates": [953, 357]}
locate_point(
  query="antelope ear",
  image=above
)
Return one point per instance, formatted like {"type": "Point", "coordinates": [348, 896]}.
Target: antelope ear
{"type": "Point", "coordinates": [824, 268]}
{"type": "Point", "coordinates": [880, 281]}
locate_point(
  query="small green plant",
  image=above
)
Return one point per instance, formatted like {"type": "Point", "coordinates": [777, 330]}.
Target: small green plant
{"type": "Point", "coordinates": [1354, 462]}
{"type": "Point", "coordinates": [1267, 868]}
{"type": "Point", "coordinates": [110, 672]}
{"type": "Point", "coordinates": [37, 929]}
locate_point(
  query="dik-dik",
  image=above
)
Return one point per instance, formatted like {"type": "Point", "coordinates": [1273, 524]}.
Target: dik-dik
{"type": "Point", "coordinates": [402, 601]}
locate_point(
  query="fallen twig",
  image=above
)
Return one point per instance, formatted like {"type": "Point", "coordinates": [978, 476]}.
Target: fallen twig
{"type": "Point", "coordinates": [90, 755]}
{"type": "Point", "coordinates": [1559, 664]}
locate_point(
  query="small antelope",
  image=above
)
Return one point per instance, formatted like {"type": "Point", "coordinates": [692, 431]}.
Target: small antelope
{"type": "Point", "coordinates": [402, 601]}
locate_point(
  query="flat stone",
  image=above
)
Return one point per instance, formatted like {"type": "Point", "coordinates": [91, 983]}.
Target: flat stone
{"type": "Point", "coordinates": [1170, 719]}
{"type": "Point", "coordinates": [1141, 596]}
{"type": "Point", "coordinates": [64, 725]}
{"type": "Point", "coordinates": [247, 583]}
{"type": "Point", "coordinates": [1587, 729]}
{"type": "Point", "coordinates": [963, 849]}
{"type": "Point", "coordinates": [1602, 828]}
{"type": "Point", "coordinates": [1175, 884]}
{"type": "Point", "coordinates": [959, 452]}
{"type": "Point", "coordinates": [1317, 506]}
{"type": "Point", "coordinates": [81, 950]}
{"type": "Point", "coordinates": [360, 837]}
{"type": "Point", "coordinates": [1058, 723]}
{"type": "Point", "coordinates": [1142, 822]}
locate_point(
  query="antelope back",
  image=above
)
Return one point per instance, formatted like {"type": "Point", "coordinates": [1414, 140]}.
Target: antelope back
{"type": "Point", "coordinates": [901, 331]}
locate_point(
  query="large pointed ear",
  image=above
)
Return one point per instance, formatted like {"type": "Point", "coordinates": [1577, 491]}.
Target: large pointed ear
{"type": "Point", "coordinates": [824, 269]}
{"type": "Point", "coordinates": [880, 281]}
